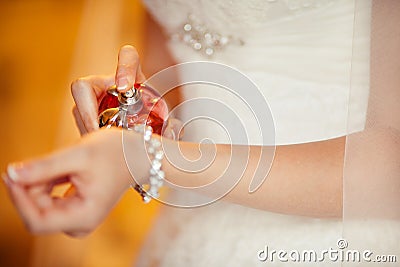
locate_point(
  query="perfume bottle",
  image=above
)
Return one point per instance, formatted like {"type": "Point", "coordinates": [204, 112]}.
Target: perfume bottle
{"type": "Point", "coordinates": [139, 105]}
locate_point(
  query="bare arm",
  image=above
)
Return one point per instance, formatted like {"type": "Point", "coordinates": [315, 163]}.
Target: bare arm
{"type": "Point", "coordinates": [304, 179]}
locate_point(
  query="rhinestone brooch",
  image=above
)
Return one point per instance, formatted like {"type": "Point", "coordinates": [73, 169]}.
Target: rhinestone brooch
{"type": "Point", "coordinates": [198, 36]}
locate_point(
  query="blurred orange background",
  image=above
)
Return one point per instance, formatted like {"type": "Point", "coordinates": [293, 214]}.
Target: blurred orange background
{"type": "Point", "coordinates": [45, 45]}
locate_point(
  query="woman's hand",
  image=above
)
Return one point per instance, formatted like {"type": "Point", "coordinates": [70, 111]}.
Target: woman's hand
{"type": "Point", "coordinates": [95, 167]}
{"type": "Point", "coordinates": [88, 91]}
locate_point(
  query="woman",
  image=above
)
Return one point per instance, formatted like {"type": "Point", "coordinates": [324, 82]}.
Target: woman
{"type": "Point", "coordinates": [306, 175]}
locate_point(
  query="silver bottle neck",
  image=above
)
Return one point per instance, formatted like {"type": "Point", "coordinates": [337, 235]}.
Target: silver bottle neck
{"type": "Point", "coordinates": [130, 97]}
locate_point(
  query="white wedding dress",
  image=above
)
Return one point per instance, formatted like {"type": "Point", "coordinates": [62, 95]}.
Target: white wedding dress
{"type": "Point", "coordinates": [301, 56]}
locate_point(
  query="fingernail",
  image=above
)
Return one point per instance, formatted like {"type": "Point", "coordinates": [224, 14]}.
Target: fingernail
{"type": "Point", "coordinates": [15, 171]}
{"type": "Point", "coordinates": [12, 173]}
{"type": "Point", "coordinates": [123, 84]}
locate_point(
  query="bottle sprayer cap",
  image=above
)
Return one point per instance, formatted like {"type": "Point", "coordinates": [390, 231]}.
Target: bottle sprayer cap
{"type": "Point", "coordinates": [128, 98]}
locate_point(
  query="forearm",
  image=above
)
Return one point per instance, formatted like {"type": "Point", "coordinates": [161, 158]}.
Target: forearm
{"type": "Point", "coordinates": [304, 179]}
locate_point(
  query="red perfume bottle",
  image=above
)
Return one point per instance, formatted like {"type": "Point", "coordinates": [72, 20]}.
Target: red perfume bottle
{"type": "Point", "coordinates": [139, 105]}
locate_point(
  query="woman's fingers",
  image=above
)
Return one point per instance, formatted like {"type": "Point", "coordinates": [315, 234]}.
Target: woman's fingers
{"type": "Point", "coordinates": [65, 215]}
{"type": "Point", "coordinates": [86, 93]}
{"type": "Point", "coordinates": [79, 122]}
{"type": "Point", "coordinates": [55, 215]}
{"type": "Point", "coordinates": [48, 168]}
{"type": "Point", "coordinates": [128, 71]}
{"type": "Point", "coordinates": [59, 215]}
{"type": "Point", "coordinates": [86, 103]}
{"type": "Point", "coordinates": [25, 205]}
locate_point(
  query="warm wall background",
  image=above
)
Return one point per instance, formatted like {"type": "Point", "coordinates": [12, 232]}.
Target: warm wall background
{"type": "Point", "coordinates": [44, 45]}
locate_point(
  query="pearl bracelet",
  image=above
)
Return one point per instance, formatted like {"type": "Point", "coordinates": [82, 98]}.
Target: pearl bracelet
{"type": "Point", "coordinates": [156, 154]}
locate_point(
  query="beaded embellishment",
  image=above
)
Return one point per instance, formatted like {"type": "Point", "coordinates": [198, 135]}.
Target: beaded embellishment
{"type": "Point", "coordinates": [202, 39]}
